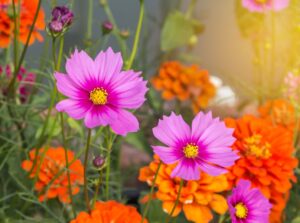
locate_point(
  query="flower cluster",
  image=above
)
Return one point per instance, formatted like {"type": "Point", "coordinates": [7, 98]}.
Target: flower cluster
{"type": "Point", "coordinates": [24, 78]}
{"type": "Point", "coordinates": [185, 83]}
{"type": "Point", "coordinates": [266, 159]}
{"type": "Point", "coordinates": [108, 212]}
{"type": "Point", "coordinates": [197, 198]}
{"type": "Point", "coordinates": [46, 165]}
{"type": "Point", "coordinates": [26, 16]}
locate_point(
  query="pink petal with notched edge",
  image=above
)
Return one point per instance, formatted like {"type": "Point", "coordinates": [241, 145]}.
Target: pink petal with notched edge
{"type": "Point", "coordinates": [171, 130]}
{"type": "Point", "coordinates": [100, 115]}
{"type": "Point", "coordinates": [168, 155]}
{"type": "Point", "coordinates": [126, 122]}
{"type": "Point", "coordinates": [76, 109]}
{"type": "Point", "coordinates": [186, 169]}
{"type": "Point", "coordinates": [128, 85]}
{"type": "Point", "coordinates": [81, 69]}
{"type": "Point", "coordinates": [68, 88]}
{"type": "Point", "coordinates": [108, 65]}
{"type": "Point", "coordinates": [210, 169]}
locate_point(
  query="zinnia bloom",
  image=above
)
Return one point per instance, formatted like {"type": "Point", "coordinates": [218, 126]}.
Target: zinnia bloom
{"type": "Point", "coordinates": [185, 83]}
{"type": "Point", "coordinates": [248, 205]}
{"type": "Point", "coordinates": [108, 212]}
{"type": "Point", "coordinates": [99, 92]}
{"type": "Point", "coordinates": [279, 112]}
{"type": "Point", "coordinates": [265, 5]}
{"type": "Point", "coordinates": [27, 12]}
{"type": "Point", "coordinates": [52, 163]}
{"type": "Point", "coordinates": [266, 159]}
{"type": "Point", "coordinates": [198, 198]}
{"type": "Point", "coordinates": [205, 146]}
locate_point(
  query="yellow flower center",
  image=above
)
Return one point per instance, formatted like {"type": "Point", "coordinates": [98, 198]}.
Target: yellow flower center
{"type": "Point", "coordinates": [98, 96]}
{"type": "Point", "coordinates": [190, 150]}
{"type": "Point", "coordinates": [241, 210]}
{"type": "Point", "coordinates": [261, 1]}
{"type": "Point", "coordinates": [255, 147]}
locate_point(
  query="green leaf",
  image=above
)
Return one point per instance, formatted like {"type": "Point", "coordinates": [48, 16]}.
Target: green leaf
{"type": "Point", "coordinates": [177, 31]}
{"type": "Point", "coordinates": [296, 220]}
{"type": "Point", "coordinates": [76, 126]}
{"type": "Point", "coordinates": [139, 141]}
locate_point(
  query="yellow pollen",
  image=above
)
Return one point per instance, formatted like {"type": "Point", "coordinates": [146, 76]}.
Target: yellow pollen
{"type": "Point", "coordinates": [255, 147]}
{"type": "Point", "coordinates": [98, 96]}
{"type": "Point", "coordinates": [261, 1]}
{"type": "Point", "coordinates": [241, 211]}
{"type": "Point", "coordinates": [190, 150]}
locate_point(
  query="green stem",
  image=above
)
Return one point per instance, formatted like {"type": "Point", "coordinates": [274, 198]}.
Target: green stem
{"type": "Point", "coordinates": [151, 193]}
{"type": "Point", "coordinates": [11, 85]}
{"type": "Point", "coordinates": [67, 163]}
{"type": "Point", "coordinates": [16, 48]}
{"type": "Point", "coordinates": [90, 20]}
{"type": "Point", "coordinates": [97, 187]}
{"type": "Point", "coordinates": [191, 8]}
{"type": "Point", "coordinates": [108, 170]}
{"type": "Point", "coordinates": [86, 195]}
{"type": "Point", "coordinates": [116, 30]}
{"type": "Point", "coordinates": [137, 36]}
{"type": "Point", "coordinates": [176, 202]}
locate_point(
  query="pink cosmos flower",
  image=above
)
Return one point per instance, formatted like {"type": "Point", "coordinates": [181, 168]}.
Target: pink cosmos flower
{"type": "Point", "coordinates": [205, 146]}
{"type": "Point", "coordinates": [265, 5]}
{"type": "Point", "coordinates": [248, 205]}
{"type": "Point", "coordinates": [99, 92]}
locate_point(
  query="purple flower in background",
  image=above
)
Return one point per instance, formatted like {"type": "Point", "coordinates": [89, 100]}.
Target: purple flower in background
{"type": "Point", "coordinates": [205, 146]}
{"type": "Point", "coordinates": [265, 5]}
{"type": "Point", "coordinates": [99, 91]}
{"type": "Point", "coordinates": [248, 205]}
{"type": "Point", "coordinates": [107, 27]}
{"type": "Point", "coordinates": [62, 17]}
{"type": "Point", "coordinates": [25, 80]}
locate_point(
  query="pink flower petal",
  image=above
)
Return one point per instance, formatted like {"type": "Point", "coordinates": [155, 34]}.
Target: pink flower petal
{"type": "Point", "coordinates": [126, 122]}
{"type": "Point", "coordinates": [68, 88]}
{"type": "Point", "coordinates": [74, 108]}
{"type": "Point", "coordinates": [171, 130]}
{"type": "Point", "coordinates": [186, 169]}
{"type": "Point", "coordinates": [108, 65]}
{"type": "Point", "coordinates": [211, 169]}
{"type": "Point", "coordinates": [167, 155]}
{"type": "Point", "coordinates": [81, 69]}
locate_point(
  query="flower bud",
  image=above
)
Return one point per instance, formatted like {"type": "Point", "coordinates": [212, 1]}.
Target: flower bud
{"type": "Point", "coordinates": [98, 162]}
{"type": "Point", "coordinates": [62, 18]}
{"type": "Point", "coordinates": [124, 34]}
{"type": "Point", "coordinates": [107, 27]}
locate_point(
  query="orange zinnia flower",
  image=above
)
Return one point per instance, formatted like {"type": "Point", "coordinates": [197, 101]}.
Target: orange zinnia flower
{"type": "Point", "coordinates": [26, 16]}
{"type": "Point", "coordinates": [279, 112]}
{"type": "Point", "coordinates": [185, 82]}
{"type": "Point", "coordinates": [266, 159]}
{"type": "Point", "coordinates": [108, 212]}
{"type": "Point", "coordinates": [51, 161]}
{"type": "Point", "coordinates": [197, 198]}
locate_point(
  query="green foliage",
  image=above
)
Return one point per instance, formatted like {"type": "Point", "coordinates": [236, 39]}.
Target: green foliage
{"type": "Point", "coordinates": [178, 30]}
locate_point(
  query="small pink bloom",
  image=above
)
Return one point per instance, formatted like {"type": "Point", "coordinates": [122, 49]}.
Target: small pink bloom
{"type": "Point", "coordinates": [292, 86]}
{"type": "Point", "coordinates": [248, 205]}
{"type": "Point", "coordinates": [99, 91]}
{"type": "Point", "coordinates": [205, 146]}
{"type": "Point", "coordinates": [265, 5]}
